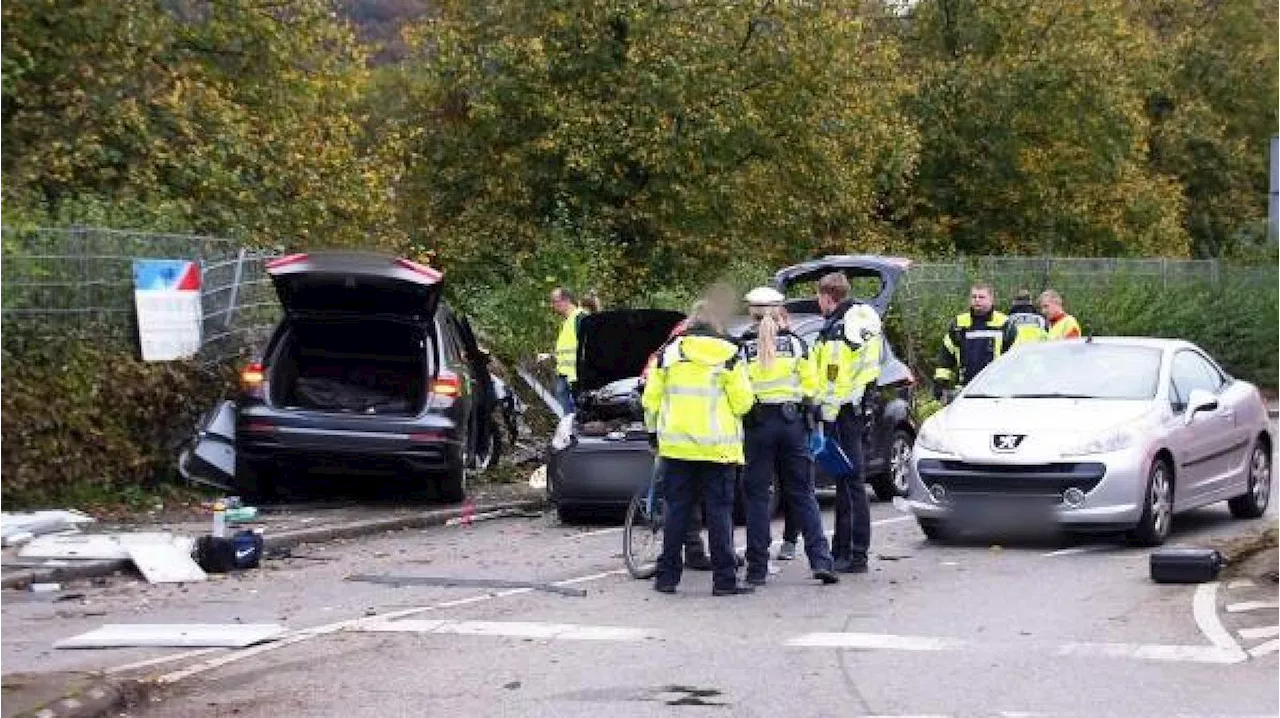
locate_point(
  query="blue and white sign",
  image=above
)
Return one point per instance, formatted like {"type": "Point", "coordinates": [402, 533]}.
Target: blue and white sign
{"type": "Point", "coordinates": [167, 295]}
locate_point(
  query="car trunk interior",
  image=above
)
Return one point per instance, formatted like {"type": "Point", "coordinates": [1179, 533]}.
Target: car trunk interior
{"type": "Point", "coordinates": [352, 367]}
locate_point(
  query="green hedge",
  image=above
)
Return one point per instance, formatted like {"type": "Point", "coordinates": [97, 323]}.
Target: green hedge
{"type": "Point", "coordinates": [84, 420]}
{"type": "Point", "coordinates": [1235, 320]}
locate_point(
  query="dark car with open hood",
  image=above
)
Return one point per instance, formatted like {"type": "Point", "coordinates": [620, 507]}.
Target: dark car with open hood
{"type": "Point", "coordinates": [369, 374]}
{"type": "Point", "coordinates": [600, 454]}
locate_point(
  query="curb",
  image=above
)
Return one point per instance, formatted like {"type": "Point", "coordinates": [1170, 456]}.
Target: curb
{"type": "Point", "coordinates": [95, 701]}
{"type": "Point", "coordinates": [282, 540]}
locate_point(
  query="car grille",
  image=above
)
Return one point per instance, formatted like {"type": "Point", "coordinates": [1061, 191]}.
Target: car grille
{"type": "Point", "coordinates": [963, 477]}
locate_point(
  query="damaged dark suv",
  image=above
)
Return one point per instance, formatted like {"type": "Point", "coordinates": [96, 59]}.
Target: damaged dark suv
{"type": "Point", "coordinates": [369, 373]}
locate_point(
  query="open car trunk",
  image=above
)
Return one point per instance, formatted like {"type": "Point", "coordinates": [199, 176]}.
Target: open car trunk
{"type": "Point", "coordinates": [352, 367]}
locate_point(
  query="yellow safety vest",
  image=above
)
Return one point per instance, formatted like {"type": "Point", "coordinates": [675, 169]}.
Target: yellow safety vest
{"type": "Point", "coordinates": [1032, 328]}
{"type": "Point", "coordinates": [843, 371]}
{"type": "Point", "coordinates": [695, 398]}
{"type": "Point", "coordinates": [567, 346]}
{"type": "Point", "coordinates": [1065, 328]}
{"type": "Point", "coordinates": [789, 378]}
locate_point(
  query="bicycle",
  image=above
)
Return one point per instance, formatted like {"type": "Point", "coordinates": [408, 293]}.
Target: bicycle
{"type": "Point", "coordinates": [642, 529]}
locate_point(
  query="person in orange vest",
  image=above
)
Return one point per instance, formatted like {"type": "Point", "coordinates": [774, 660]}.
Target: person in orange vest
{"type": "Point", "coordinates": [1061, 324]}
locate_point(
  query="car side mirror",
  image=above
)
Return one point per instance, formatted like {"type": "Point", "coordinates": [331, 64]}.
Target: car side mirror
{"type": "Point", "coordinates": [1200, 400]}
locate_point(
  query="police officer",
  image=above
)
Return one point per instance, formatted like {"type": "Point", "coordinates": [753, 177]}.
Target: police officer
{"type": "Point", "coordinates": [847, 361]}
{"type": "Point", "coordinates": [1030, 325]}
{"type": "Point", "coordinates": [973, 340]}
{"type": "Point", "coordinates": [783, 381]}
{"type": "Point", "coordinates": [693, 405]}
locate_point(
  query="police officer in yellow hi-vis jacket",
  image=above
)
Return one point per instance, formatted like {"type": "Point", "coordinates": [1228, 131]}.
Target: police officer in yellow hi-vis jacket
{"type": "Point", "coordinates": [784, 384]}
{"type": "Point", "coordinates": [847, 361]}
{"type": "Point", "coordinates": [693, 405]}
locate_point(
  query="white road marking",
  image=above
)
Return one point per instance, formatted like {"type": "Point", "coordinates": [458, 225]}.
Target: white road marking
{"type": "Point", "coordinates": [1241, 583]}
{"type": "Point", "coordinates": [875, 640]}
{"type": "Point", "coordinates": [515, 629]}
{"type": "Point", "coordinates": [1151, 652]}
{"type": "Point", "coordinates": [1204, 608]}
{"type": "Point", "coordinates": [894, 520]}
{"type": "Point", "coordinates": [1075, 550]}
{"type": "Point", "coordinates": [1272, 646]}
{"type": "Point", "coordinates": [1261, 632]}
{"type": "Point", "coordinates": [1251, 606]}
{"type": "Point", "coordinates": [597, 532]}
{"type": "Point", "coordinates": [162, 659]}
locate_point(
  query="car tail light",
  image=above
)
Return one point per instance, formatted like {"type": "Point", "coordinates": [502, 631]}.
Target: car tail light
{"type": "Point", "coordinates": [286, 260]}
{"type": "Point", "coordinates": [446, 384]}
{"type": "Point", "coordinates": [253, 379]}
{"type": "Point", "coordinates": [434, 275]}
{"type": "Point", "coordinates": [260, 427]}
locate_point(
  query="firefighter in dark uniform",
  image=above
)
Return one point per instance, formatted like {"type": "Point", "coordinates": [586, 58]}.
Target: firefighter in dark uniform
{"type": "Point", "coordinates": [975, 339]}
{"type": "Point", "coordinates": [783, 382]}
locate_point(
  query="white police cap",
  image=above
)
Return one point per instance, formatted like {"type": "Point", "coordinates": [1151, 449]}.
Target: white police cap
{"type": "Point", "coordinates": [765, 297]}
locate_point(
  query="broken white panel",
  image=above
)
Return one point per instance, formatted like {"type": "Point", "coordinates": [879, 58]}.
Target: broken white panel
{"type": "Point", "coordinates": [18, 527]}
{"type": "Point", "coordinates": [100, 546]}
{"type": "Point", "coordinates": [165, 563]}
{"type": "Point", "coordinates": [176, 635]}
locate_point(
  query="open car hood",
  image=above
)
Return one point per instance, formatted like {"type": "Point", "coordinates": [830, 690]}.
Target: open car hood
{"type": "Point", "coordinates": [355, 284]}
{"type": "Point", "coordinates": [615, 345]}
{"type": "Point", "coordinates": [888, 270]}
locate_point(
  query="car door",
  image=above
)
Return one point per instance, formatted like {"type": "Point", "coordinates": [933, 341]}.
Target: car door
{"type": "Point", "coordinates": [1206, 442]}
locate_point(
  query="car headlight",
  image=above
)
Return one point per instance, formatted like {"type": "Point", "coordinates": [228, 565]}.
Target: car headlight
{"type": "Point", "coordinates": [1104, 443]}
{"type": "Point", "coordinates": [931, 439]}
{"type": "Point", "coordinates": [564, 434]}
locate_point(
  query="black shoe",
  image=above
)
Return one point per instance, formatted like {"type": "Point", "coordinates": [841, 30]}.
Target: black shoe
{"type": "Point", "coordinates": [697, 562]}
{"type": "Point", "coordinates": [662, 588]}
{"type": "Point", "coordinates": [846, 565]}
{"type": "Point", "coordinates": [826, 576]}
{"type": "Point", "coordinates": [739, 561]}
{"type": "Point", "coordinates": [736, 590]}
{"type": "Point", "coordinates": [757, 580]}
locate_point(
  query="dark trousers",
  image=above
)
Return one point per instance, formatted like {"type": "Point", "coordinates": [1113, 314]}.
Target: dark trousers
{"type": "Point", "coordinates": [564, 395]}
{"type": "Point", "coordinates": [774, 442]}
{"type": "Point", "coordinates": [682, 481]}
{"type": "Point", "coordinates": [853, 509]}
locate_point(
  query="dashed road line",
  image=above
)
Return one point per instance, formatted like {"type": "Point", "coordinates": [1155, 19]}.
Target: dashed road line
{"type": "Point", "coordinates": [875, 640]}
{"type": "Point", "coordinates": [514, 629]}
{"type": "Point", "coordinates": [1155, 652]}
{"type": "Point", "coordinates": [1252, 606]}
{"type": "Point", "coordinates": [1077, 550]}
{"type": "Point", "coordinates": [1260, 632]}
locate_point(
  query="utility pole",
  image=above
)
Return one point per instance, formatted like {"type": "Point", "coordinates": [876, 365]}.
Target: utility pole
{"type": "Point", "coordinates": [1273, 200]}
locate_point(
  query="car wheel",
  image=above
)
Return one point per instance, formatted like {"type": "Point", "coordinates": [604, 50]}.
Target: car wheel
{"type": "Point", "coordinates": [253, 483]}
{"type": "Point", "coordinates": [1253, 503]}
{"type": "Point", "coordinates": [894, 482]}
{"type": "Point", "coordinates": [1157, 510]}
{"type": "Point", "coordinates": [452, 485]}
{"type": "Point", "coordinates": [485, 456]}
{"type": "Point", "coordinates": [932, 529]}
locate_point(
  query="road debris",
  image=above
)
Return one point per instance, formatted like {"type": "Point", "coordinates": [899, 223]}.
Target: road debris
{"type": "Point", "coordinates": [176, 635]}
{"type": "Point", "coordinates": [451, 581]}
{"type": "Point", "coordinates": [19, 528]}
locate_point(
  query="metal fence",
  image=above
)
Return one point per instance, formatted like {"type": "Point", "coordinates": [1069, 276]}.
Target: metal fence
{"type": "Point", "coordinates": [81, 279]}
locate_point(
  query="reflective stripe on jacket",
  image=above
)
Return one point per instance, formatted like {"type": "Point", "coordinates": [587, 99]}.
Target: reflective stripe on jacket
{"type": "Point", "coordinates": [844, 369]}
{"type": "Point", "coordinates": [1064, 327]}
{"type": "Point", "coordinates": [789, 378]}
{"type": "Point", "coordinates": [972, 343]}
{"type": "Point", "coordinates": [695, 398]}
{"type": "Point", "coordinates": [567, 346]}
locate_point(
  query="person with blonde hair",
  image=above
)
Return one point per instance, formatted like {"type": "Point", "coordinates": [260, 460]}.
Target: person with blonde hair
{"type": "Point", "coordinates": [783, 382]}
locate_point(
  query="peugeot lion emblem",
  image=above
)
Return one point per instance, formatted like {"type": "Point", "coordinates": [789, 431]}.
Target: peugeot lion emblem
{"type": "Point", "coordinates": [1006, 442]}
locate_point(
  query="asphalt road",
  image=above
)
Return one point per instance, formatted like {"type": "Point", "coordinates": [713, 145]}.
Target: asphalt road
{"type": "Point", "coordinates": [972, 630]}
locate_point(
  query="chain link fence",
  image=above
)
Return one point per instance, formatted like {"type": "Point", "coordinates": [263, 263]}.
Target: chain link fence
{"type": "Point", "coordinates": [81, 279]}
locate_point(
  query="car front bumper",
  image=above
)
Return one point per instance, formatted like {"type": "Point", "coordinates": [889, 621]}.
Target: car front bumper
{"type": "Point", "coordinates": [1113, 487]}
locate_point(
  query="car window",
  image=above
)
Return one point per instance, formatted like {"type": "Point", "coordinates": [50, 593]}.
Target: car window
{"type": "Point", "coordinates": [450, 343]}
{"type": "Point", "coordinates": [1084, 370]}
{"type": "Point", "coordinates": [1189, 372]}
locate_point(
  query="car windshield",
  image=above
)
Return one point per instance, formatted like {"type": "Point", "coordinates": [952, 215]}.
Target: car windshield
{"type": "Point", "coordinates": [1072, 371]}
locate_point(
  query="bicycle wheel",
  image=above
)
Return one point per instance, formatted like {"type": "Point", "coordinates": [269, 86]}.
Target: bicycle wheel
{"type": "Point", "coordinates": [642, 536]}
